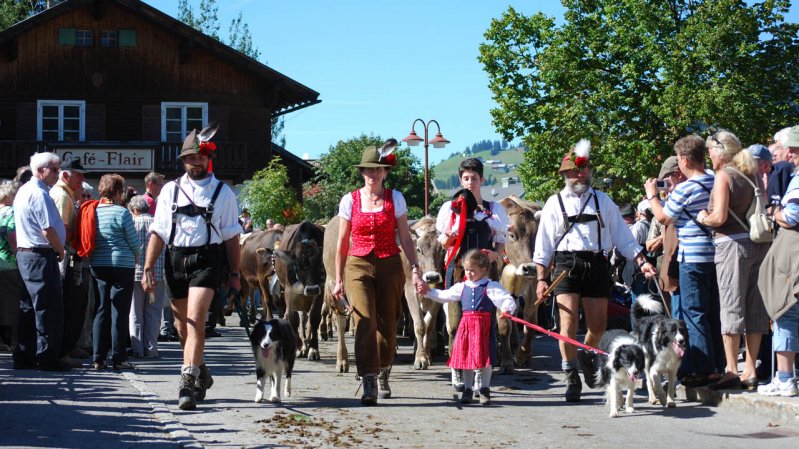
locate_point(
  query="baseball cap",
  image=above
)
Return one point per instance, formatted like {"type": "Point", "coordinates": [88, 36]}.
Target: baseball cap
{"type": "Point", "coordinates": [759, 151]}
{"type": "Point", "coordinates": [644, 206]}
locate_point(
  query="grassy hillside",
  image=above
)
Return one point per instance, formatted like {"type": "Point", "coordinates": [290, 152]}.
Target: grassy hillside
{"type": "Point", "coordinates": [448, 168]}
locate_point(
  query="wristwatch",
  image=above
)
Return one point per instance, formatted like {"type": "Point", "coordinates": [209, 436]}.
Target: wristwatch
{"type": "Point", "coordinates": [233, 274]}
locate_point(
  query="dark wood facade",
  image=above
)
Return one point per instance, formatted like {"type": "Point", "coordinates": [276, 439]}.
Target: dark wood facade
{"type": "Point", "coordinates": [123, 88]}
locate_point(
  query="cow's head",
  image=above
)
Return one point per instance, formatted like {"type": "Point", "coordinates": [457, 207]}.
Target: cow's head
{"type": "Point", "coordinates": [303, 260]}
{"type": "Point", "coordinates": [429, 252]}
{"type": "Point", "coordinates": [524, 217]}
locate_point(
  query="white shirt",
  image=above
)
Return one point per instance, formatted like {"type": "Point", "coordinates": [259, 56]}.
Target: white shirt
{"type": "Point", "coordinates": [192, 231]}
{"type": "Point", "coordinates": [583, 236]}
{"type": "Point", "coordinates": [498, 221]}
{"type": "Point", "coordinates": [346, 203]}
{"type": "Point", "coordinates": [35, 211]}
{"type": "Point", "coordinates": [501, 298]}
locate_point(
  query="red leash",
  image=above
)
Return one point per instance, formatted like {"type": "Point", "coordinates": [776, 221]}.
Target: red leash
{"type": "Point", "coordinates": [553, 334]}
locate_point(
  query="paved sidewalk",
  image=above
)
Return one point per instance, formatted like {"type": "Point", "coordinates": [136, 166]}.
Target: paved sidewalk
{"type": "Point", "coordinates": [85, 408]}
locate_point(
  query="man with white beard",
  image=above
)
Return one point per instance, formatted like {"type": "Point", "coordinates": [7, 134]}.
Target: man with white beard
{"type": "Point", "coordinates": [579, 227]}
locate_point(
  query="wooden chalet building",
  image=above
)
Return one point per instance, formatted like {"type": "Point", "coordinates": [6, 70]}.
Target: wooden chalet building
{"type": "Point", "coordinates": [119, 84]}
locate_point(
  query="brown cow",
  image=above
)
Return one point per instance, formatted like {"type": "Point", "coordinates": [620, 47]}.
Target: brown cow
{"type": "Point", "coordinates": [519, 276]}
{"type": "Point", "coordinates": [298, 265]}
{"type": "Point", "coordinates": [329, 256]}
{"type": "Point", "coordinates": [257, 265]}
{"type": "Point", "coordinates": [424, 311]}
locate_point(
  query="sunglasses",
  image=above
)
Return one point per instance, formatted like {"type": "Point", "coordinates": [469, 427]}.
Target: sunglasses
{"type": "Point", "coordinates": [718, 142]}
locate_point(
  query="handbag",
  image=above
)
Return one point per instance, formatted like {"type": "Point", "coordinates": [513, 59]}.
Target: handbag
{"type": "Point", "coordinates": [760, 226]}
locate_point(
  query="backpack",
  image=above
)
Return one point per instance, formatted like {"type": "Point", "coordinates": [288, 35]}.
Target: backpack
{"type": "Point", "coordinates": [760, 226]}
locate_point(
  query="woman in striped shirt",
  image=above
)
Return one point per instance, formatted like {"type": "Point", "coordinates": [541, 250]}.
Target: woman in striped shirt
{"type": "Point", "coordinates": [113, 262]}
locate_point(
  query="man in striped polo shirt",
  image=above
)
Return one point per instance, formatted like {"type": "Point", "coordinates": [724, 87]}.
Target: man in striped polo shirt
{"type": "Point", "coordinates": [698, 305]}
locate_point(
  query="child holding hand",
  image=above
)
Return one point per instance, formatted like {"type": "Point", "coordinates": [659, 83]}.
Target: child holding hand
{"type": "Point", "coordinates": [474, 347]}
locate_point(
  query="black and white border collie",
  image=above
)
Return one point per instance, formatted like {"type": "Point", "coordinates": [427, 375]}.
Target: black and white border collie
{"type": "Point", "coordinates": [274, 346]}
{"type": "Point", "coordinates": [620, 368]}
{"type": "Point", "coordinates": [665, 341]}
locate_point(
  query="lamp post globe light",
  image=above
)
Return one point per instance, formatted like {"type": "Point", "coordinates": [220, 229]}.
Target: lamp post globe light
{"type": "Point", "coordinates": [438, 141]}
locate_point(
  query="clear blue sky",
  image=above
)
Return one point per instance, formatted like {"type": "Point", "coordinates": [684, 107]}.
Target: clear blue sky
{"type": "Point", "coordinates": [378, 65]}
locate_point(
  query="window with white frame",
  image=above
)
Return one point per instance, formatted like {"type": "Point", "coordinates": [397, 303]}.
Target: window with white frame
{"type": "Point", "coordinates": [178, 119]}
{"type": "Point", "coordinates": [61, 120]}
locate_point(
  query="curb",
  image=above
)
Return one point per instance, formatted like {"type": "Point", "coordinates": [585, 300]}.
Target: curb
{"type": "Point", "coordinates": [784, 411]}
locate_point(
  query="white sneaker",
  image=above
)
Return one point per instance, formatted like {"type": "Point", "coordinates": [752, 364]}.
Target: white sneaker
{"type": "Point", "coordinates": [778, 388]}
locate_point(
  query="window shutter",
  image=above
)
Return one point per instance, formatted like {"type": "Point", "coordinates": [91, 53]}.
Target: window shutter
{"type": "Point", "coordinates": [127, 38]}
{"type": "Point", "coordinates": [66, 36]}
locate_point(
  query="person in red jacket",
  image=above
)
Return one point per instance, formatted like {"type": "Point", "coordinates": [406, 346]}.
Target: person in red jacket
{"type": "Point", "coordinates": [371, 269]}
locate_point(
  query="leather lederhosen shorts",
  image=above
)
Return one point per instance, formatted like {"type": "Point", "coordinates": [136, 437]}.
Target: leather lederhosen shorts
{"type": "Point", "coordinates": [196, 266]}
{"type": "Point", "coordinates": [588, 273]}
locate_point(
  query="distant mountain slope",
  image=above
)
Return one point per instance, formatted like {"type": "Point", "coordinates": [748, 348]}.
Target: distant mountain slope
{"type": "Point", "coordinates": [446, 171]}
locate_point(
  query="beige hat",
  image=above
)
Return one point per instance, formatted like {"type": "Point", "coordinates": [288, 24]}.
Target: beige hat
{"type": "Point", "coordinates": [578, 157]}
{"type": "Point", "coordinates": [792, 137]}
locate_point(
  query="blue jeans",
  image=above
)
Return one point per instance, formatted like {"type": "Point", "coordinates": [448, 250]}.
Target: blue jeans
{"type": "Point", "coordinates": [114, 294]}
{"type": "Point", "coordinates": [698, 306]}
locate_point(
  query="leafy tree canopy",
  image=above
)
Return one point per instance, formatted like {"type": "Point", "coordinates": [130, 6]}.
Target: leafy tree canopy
{"type": "Point", "coordinates": [269, 195]}
{"type": "Point", "coordinates": [633, 76]}
{"type": "Point", "coordinates": [336, 176]}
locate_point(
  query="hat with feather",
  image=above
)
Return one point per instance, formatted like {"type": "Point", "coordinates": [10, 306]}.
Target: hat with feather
{"type": "Point", "coordinates": [374, 157]}
{"type": "Point", "coordinates": [200, 142]}
{"type": "Point", "coordinates": [578, 157]}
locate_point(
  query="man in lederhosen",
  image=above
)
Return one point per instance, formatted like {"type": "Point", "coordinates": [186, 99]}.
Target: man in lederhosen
{"type": "Point", "coordinates": [197, 218]}
{"type": "Point", "coordinates": [579, 226]}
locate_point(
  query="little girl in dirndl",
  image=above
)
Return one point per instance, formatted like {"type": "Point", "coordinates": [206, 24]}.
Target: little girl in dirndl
{"type": "Point", "coordinates": [474, 347]}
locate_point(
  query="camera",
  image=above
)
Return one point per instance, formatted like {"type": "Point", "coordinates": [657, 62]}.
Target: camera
{"type": "Point", "coordinates": [662, 184]}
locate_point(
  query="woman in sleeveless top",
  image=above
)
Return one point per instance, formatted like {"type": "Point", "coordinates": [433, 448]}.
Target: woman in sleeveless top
{"type": "Point", "coordinates": [369, 270]}
{"type": "Point", "coordinates": [737, 258]}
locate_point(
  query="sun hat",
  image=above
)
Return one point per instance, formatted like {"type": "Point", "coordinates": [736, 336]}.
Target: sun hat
{"type": "Point", "coordinates": [792, 137]}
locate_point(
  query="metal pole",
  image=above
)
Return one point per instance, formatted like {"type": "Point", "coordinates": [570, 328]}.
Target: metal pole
{"type": "Point", "coordinates": [426, 181]}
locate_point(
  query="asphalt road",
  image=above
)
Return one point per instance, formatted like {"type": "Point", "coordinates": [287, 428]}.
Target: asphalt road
{"type": "Point", "coordinates": [138, 409]}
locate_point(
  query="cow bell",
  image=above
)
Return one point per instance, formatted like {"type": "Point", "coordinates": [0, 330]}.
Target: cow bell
{"type": "Point", "coordinates": [298, 299]}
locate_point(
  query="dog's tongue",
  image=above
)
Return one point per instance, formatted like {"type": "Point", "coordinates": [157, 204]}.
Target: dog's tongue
{"type": "Point", "coordinates": [678, 349]}
{"type": "Point", "coordinates": [265, 352]}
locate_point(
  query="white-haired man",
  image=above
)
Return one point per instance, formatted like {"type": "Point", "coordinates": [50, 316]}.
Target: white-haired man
{"type": "Point", "coordinates": [40, 247]}
{"type": "Point", "coordinates": [579, 227]}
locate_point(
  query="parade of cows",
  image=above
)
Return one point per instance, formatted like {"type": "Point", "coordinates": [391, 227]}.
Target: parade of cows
{"type": "Point", "coordinates": [292, 271]}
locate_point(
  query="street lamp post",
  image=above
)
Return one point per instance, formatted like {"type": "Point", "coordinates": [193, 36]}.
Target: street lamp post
{"type": "Point", "coordinates": [438, 142]}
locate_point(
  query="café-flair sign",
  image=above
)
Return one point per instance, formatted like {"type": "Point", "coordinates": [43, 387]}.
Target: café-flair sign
{"type": "Point", "coordinates": [115, 160]}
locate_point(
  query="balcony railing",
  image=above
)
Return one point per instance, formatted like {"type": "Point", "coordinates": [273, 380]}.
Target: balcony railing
{"type": "Point", "coordinates": [230, 161]}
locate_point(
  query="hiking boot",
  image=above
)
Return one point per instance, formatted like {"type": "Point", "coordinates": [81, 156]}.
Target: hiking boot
{"type": "Point", "coordinates": [385, 388]}
{"type": "Point", "coordinates": [586, 360]}
{"type": "Point", "coordinates": [457, 380]}
{"type": "Point", "coordinates": [204, 382]}
{"type": "Point", "coordinates": [369, 390]}
{"type": "Point", "coordinates": [467, 396]}
{"type": "Point", "coordinates": [779, 388]}
{"type": "Point", "coordinates": [186, 398]}
{"type": "Point", "coordinates": [485, 396]}
{"type": "Point", "coordinates": [573, 385]}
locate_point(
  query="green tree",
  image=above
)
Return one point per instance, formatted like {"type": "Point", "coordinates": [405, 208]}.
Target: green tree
{"type": "Point", "coordinates": [239, 38]}
{"type": "Point", "coordinates": [13, 11]}
{"type": "Point", "coordinates": [633, 76]}
{"type": "Point", "coordinates": [269, 195]}
{"type": "Point", "coordinates": [336, 176]}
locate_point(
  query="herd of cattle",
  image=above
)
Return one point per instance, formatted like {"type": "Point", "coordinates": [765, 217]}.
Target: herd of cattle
{"type": "Point", "coordinates": [294, 271]}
